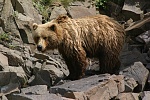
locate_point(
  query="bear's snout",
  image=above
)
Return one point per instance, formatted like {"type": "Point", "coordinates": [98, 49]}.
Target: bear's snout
{"type": "Point", "coordinates": [39, 47]}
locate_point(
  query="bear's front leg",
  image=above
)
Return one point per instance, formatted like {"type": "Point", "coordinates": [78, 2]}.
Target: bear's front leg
{"type": "Point", "coordinates": [76, 62]}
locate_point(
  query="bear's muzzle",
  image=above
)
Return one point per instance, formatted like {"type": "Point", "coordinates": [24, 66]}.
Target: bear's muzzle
{"type": "Point", "coordinates": [39, 47]}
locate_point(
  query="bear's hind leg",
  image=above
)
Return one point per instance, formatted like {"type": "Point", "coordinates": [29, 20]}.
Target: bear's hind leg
{"type": "Point", "coordinates": [109, 65]}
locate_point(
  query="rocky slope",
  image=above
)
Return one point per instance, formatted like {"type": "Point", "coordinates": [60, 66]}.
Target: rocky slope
{"type": "Point", "coordinates": [26, 74]}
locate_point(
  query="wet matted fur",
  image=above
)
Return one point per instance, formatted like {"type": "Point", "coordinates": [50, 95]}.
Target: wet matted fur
{"type": "Point", "coordinates": [76, 39]}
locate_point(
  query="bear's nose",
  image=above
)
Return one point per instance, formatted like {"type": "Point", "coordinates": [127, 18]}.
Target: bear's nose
{"type": "Point", "coordinates": [39, 47]}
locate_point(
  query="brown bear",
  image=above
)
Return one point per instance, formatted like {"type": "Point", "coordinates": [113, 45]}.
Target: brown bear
{"type": "Point", "coordinates": [76, 39]}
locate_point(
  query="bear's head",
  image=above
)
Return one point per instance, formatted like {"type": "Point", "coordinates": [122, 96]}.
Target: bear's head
{"type": "Point", "coordinates": [47, 36]}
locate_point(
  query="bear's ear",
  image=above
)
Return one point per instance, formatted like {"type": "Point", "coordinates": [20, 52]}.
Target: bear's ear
{"type": "Point", "coordinates": [35, 25]}
{"type": "Point", "coordinates": [52, 27]}
{"type": "Point", "coordinates": [62, 18]}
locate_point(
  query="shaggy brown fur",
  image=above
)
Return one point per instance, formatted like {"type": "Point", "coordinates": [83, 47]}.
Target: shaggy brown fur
{"type": "Point", "coordinates": [76, 39]}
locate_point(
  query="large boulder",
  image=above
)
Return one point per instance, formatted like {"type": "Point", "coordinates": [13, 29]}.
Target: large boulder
{"type": "Point", "coordinates": [81, 9]}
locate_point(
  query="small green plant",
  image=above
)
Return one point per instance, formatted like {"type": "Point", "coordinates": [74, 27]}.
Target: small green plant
{"type": "Point", "coordinates": [101, 3]}
{"type": "Point", "coordinates": [43, 6]}
{"type": "Point", "coordinates": [5, 37]}
{"type": "Point", "coordinates": [66, 2]}
{"type": "Point", "coordinates": [15, 14]}
{"type": "Point", "coordinates": [6, 40]}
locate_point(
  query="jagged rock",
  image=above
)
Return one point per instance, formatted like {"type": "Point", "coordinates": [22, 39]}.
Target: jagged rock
{"type": "Point", "coordinates": [24, 24]}
{"type": "Point", "coordinates": [1, 5]}
{"type": "Point", "coordinates": [47, 96]}
{"type": "Point", "coordinates": [3, 59]}
{"type": "Point", "coordinates": [92, 88]}
{"type": "Point", "coordinates": [138, 72]}
{"type": "Point", "coordinates": [78, 9]}
{"type": "Point", "coordinates": [131, 9]}
{"type": "Point", "coordinates": [47, 70]}
{"type": "Point", "coordinates": [76, 95]}
{"type": "Point", "coordinates": [57, 11]}
{"type": "Point", "coordinates": [51, 61]}
{"type": "Point", "coordinates": [113, 10]}
{"type": "Point", "coordinates": [93, 67]}
{"type": "Point", "coordinates": [37, 90]}
{"type": "Point", "coordinates": [24, 14]}
{"type": "Point", "coordinates": [3, 97]}
{"type": "Point", "coordinates": [147, 15]}
{"type": "Point", "coordinates": [26, 7]}
{"type": "Point", "coordinates": [1, 29]}
{"type": "Point", "coordinates": [146, 95]}
{"type": "Point", "coordinates": [7, 18]}
{"type": "Point", "coordinates": [133, 6]}
{"type": "Point", "coordinates": [128, 58]}
{"type": "Point", "coordinates": [22, 78]}
{"type": "Point", "coordinates": [144, 37]}
{"type": "Point", "coordinates": [138, 27]}
{"type": "Point", "coordinates": [14, 57]}
{"type": "Point", "coordinates": [28, 67]}
{"type": "Point", "coordinates": [64, 98]}
{"type": "Point", "coordinates": [9, 83]}
{"type": "Point", "coordinates": [130, 84]}
{"type": "Point", "coordinates": [127, 96]}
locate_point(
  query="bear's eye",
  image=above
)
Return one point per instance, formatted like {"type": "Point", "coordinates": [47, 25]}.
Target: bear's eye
{"type": "Point", "coordinates": [37, 37]}
{"type": "Point", "coordinates": [44, 38]}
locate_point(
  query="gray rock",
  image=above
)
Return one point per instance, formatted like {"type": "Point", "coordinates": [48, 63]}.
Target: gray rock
{"type": "Point", "coordinates": [138, 72]}
{"type": "Point", "coordinates": [133, 6]}
{"type": "Point", "coordinates": [22, 78]}
{"type": "Point", "coordinates": [34, 97]}
{"type": "Point", "coordinates": [24, 24]}
{"type": "Point", "coordinates": [14, 57]}
{"type": "Point", "coordinates": [28, 67]}
{"type": "Point", "coordinates": [1, 29]}
{"type": "Point", "coordinates": [26, 7]}
{"type": "Point", "coordinates": [130, 84]}
{"type": "Point", "coordinates": [146, 95]}
{"type": "Point", "coordinates": [127, 96]}
{"type": "Point", "coordinates": [49, 75]}
{"type": "Point", "coordinates": [57, 11]}
{"type": "Point", "coordinates": [3, 97]}
{"type": "Point", "coordinates": [131, 9]}
{"type": "Point", "coordinates": [7, 18]}
{"type": "Point", "coordinates": [113, 10]}
{"type": "Point", "coordinates": [138, 27]}
{"type": "Point", "coordinates": [46, 70]}
{"type": "Point", "coordinates": [36, 90]}
{"type": "Point", "coordinates": [128, 58]}
{"type": "Point", "coordinates": [144, 37]}
{"type": "Point", "coordinates": [78, 11]}
{"type": "Point", "coordinates": [3, 59]}
{"type": "Point", "coordinates": [92, 88]}
{"type": "Point", "coordinates": [40, 79]}
{"type": "Point", "coordinates": [9, 83]}
{"type": "Point", "coordinates": [1, 5]}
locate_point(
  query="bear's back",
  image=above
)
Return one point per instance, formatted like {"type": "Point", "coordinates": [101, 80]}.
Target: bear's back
{"type": "Point", "coordinates": [94, 32]}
